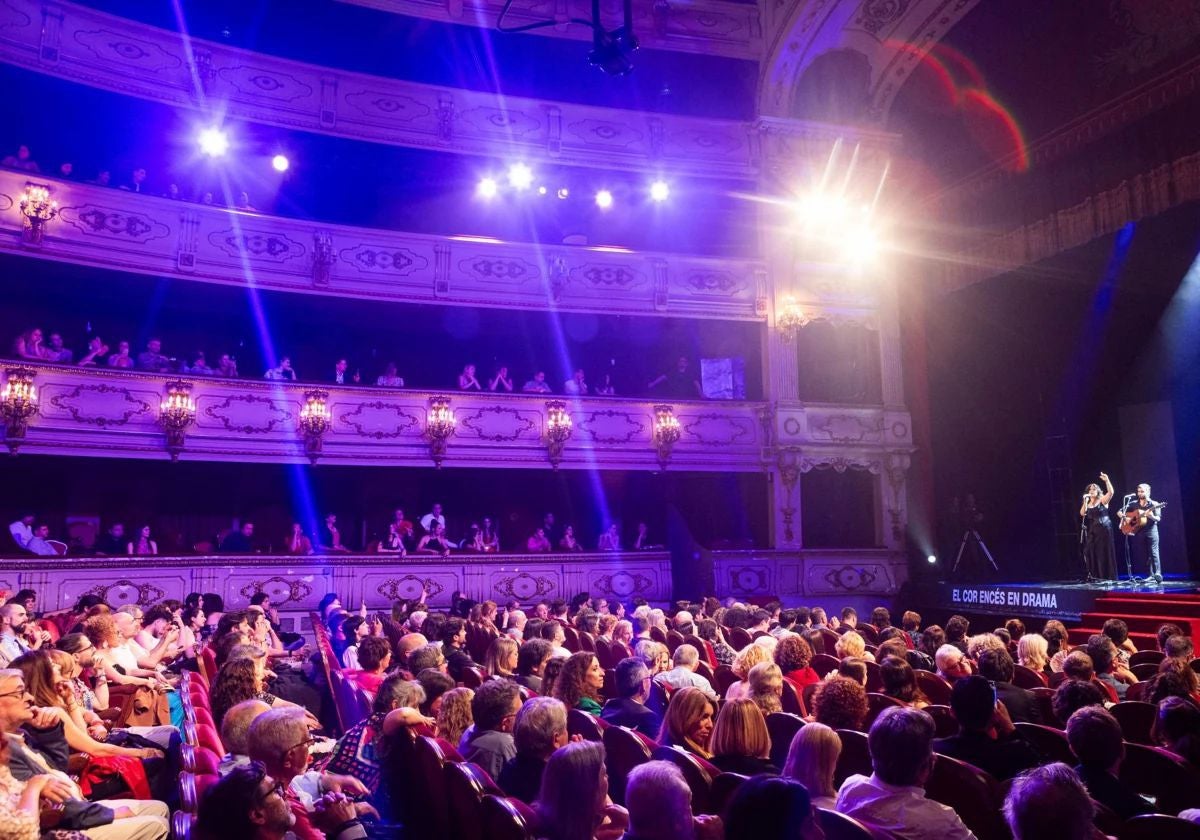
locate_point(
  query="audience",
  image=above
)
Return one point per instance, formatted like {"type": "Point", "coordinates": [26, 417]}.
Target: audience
{"type": "Point", "coordinates": [540, 728]}
{"type": "Point", "coordinates": [771, 807]}
{"type": "Point", "coordinates": [1049, 801]}
{"type": "Point", "coordinates": [997, 666]}
{"type": "Point", "coordinates": [572, 803]}
{"type": "Point", "coordinates": [987, 738]}
{"type": "Point", "coordinates": [739, 742]}
{"type": "Point", "coordinates": [685, 660]}
{"type": "Point", "coordinates": [489, 742]}
{"type": "Point", "coordinates": [659, 803]}
{"type": "Point", "coordinates": [629, 708]}
{"type": "Point", "coordinates": [1095, 738]}
{"type": "Point", "coordinates": [812, 760]}
{"type": "Point", "coordinates": [580, 683]}
{"type": "Point", "coordinates": [841, 703]}
{"type": "Point", "coordinates": [688, 722]}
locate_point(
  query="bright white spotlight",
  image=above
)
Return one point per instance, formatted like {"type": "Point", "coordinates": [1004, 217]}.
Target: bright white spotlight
{"type": "Point", "coordinates": [859, 244]}
{"type": "Point", "coordinates": [214, 142]}
{"type": "Point", "coordinates": [487, 188]}
{"type": "Point", "coordinates": [932, 558]}
{"type": "Point", "coordinates": [563, 192]}
{"type": "Point", "coordinates": [280, 163]}
{"type": "Point", "coordinates": [520, 176]}
{"type": "Point", "coordinates": [604, 199]}
{"type": "Point", "coordinates": [542, 191]}
{"type": "Point", "coordinates": [660, 191]}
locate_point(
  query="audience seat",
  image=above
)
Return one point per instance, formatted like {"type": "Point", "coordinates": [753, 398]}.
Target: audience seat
{"type": "Point", "coordinates": [203, 715]}
{"type": "Point", "coordinates": [466, 785]}
{"type": "Point", "coordinates": [1158, 827]}
{"type": "Point", "coordinates": [51, 628]}
{"type": "Point", "coordinates": [587, 641]}
{"type": "Point", "coordinates": [855, 757]}
{"type": "Point", "coordinates": [1106, 819]}
{"type": "Point", "coordinates": [1143, 671]}
{"type": "Point", "coordinates": [869, 633]}
{"type": "Point", "coordinates": [1174, 784]}
{"type": "Point", "coordinates": [344, 702]}
{"type": "Point", "coordinates": [782, 727]}
{"type": "Point", "coordinates": [936, 689]}
{"type": "Point", "coordinates": [571, 642]}
{"type": "Point", "coordinates": [837, 826]}
{"type": "Point", "coordinates": [832, 637]}
{"type": "Point", "coordinates": [705, 647]}
{"type": "Point", "coordinates": [698, 778]}
{"type": "Point", "coordinates": [808, 693]}
{"type": "Point", "coordinates": [1146, 657]}
{"type": "Point", "coordinates": [1024, 677]}
{"type": "Point", "coordinates": [1136, 719]}
{"type": "Point", "coordinates": [974, 794]}
{"type": "Point", "coordinates": [1045, 701]}
{"type": "Point", "coordinates": [429, 779]}
{"type": "Point", "coordinates": [705, 671]}
{"type": "Point", "coordinates": [472, 677]}
{"type": "Point", "coordinates": [724, 677]}
{"type": "Point", "coordinates": [623, 750]}
{"type": "Point", "coordinates": [1110, 693]}
{"type": "Point", "coordinates": [584, 725]}
{"type": "Point", "coordinates": [792, 703]}
{"type": "Point", "coordinates": [943, 720]}
{"type": "Point", "coordinates": [874, 676]}
{"type": "Point", "coordinates": [181, 825]}
{"type": "Point", "coordinates": [503, 820]}
{"type": "Point", "coordinates": [207, 737]}
{"type": "Point", "coordinates": [1050, 742]}
{"type": "Point", "coordinates": [1136, 692]}
{"type": "Point", "coordinates": [876, 703]}
{"type": "Point", "coordinates": [739, 638]}
{"type": "Point", "coordinates": [674, 640]}
{"type": "Point", "coordinates": [724, 786]}
{"type": "Point", "coordinates": [659, 697]}
{"type": "Point", "coordinates": [189, 799]}
{"type": "Point", "coordinates": [823, 663]}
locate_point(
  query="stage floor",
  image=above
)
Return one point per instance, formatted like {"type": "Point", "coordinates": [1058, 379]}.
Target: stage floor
{"type": "Point", "coordinates": [1064, 600]}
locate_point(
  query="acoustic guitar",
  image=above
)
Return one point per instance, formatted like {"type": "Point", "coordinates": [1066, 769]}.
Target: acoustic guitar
{"type": "Point", "coordinates": [1136, 519]}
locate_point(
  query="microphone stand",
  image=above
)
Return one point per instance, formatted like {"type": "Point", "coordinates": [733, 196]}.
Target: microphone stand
{"type": "Point", "coordinates": [1128, 555]}
{"type": "Point", "coordinates": [1087, 573]}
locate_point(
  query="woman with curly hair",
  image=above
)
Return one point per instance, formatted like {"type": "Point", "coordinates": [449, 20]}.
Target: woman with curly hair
{"type": "Point", "coordinates": [793, 656]}
{"type": "Point", "coordinates": [551, 672]}
{"type": "Point", "coordinates": [749, 656]}
{"type": "Point", "coordinates": [688, 722]}
{"type": "Point", "coordinates": [852, 645]}
{"type": "Point", "coordinates": [501, 658]}
{"type": "Point", "coordinates": [900, 682]}
{"type": "Point", "coordinates": [243, 677]}
{"type": "Point", "coordinates": [766, 687]}
{"type": "Point", "coordinates": [580, 683]}
{"type": "Point", "coordinates": [454, 717]}
{"type": "Point", "coordinates": [840, 703]}
{"type": "Point", "coordinates": [113, 659]}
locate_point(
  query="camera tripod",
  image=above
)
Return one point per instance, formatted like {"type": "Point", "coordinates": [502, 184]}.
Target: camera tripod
{"type": "Point", "coordinates": [972, 536]}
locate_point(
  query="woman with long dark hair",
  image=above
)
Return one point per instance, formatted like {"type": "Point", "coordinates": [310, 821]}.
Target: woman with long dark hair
{"type": "Point", "coordinates": [1099, 555]}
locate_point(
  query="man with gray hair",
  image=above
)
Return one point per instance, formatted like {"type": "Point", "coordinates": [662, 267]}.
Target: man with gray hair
{"type": "Point", "coordinates": [235, 733]}
{"type": "Point", "coordinates": [952, 663]}
{"type": "Point", "coordinates": [629, 708]}
{"type": "Point", "coordinates": [893, 797]}
{"type": "Point", "coordinates": [659, 802]}
{"type": "Point", "coordinates": [684, 674]}
{"type": "Point", "coordinates": [539, 729]}
{"type": "Point", "coordinates": [1049, 801]}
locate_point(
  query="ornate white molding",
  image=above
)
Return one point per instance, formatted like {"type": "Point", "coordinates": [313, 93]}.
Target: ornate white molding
{"type": "Point", "coordinates": [129, 232]}
{"type": "Point", "coordinates": [87, 411]}
{"type": "Point", "coordinates": [891, 36]}
{"type": "Point", "coordinates": [706, 27]}
{"type": "Point", "coordinates": [810, 573]}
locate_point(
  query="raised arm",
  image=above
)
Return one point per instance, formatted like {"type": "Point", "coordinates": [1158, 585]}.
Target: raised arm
{"type": "Point", "coordinates": [1109, 492]}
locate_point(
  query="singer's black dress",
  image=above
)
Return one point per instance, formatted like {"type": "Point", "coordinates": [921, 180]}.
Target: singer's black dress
{"type": "Point", "coordinates": [1099, 554]}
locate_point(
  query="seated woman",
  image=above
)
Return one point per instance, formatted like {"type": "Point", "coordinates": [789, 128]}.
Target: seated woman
{"type": "Point", "coordinates": [793, 656]}
{"type": "Point", "coordinates": [538, 542]}
{"type": "Point", "coordinates": [688, 722]}
{"type": "Point", "coordinates": [568, 541]}
{"type": "Point", "coordinates": [766, 687]}
{"type": "Point", "coordinates": [192, 620]}
{"type": "Point", "coordinates": [852, 645]}
{"type": "Point", "coordinates": [435, 542]}
{"type": "Point", "coordinates": [812, 759]}
{"type": "Point", "coordinates": [740, 742]}
{"type": "Point", "coordinates": [243, 677]}
{"type": "Point", "coordinates": [454, 715]}
{"type": "Point", "coordinates": [840, 703]}
{"type": "Point", "coordinates": [357, 753]}
{"type": "Point", "coordinates": [374, 658]}
{"type": "Point", "coordinates": [573, 802]}
{"type": "Point", "coordinates": [580, 683]}
{"type": "Point", "coordinates": [1033, 652]}
{"type": "Point", "coordinates": [116, 661]}
{"type": "Point", "coordinates": [900, 682]}
{"type": "Point", "coordinates": [750, 656]}
{"type": "Point", "coordinates": [501, 659]}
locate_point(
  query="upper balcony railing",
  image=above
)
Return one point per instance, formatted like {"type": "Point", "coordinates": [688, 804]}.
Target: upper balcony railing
{"type": "Point", "coordinates": [127, 231]}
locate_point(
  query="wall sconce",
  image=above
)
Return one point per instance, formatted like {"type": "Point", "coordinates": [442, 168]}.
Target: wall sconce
{"type": "Point", "coordinates": [666, 433]}
{"type": "Point", "coordinates": [439, 428]}
{"type": "Point", "coordinates": [37, 208]}
{"type": "Point", "coordinates": [175, 414]}
{"type": "Point", "coordinates": [558, 430]}
{"type": "Point", "coordinates": [314, 422]}
{"type": "Point", "coordinates": [789, 319]}
{"type": "Point", "coordinates": [18, 402]}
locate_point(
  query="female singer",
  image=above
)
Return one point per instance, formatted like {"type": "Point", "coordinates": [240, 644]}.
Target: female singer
{"type": "Point", "coordinates": [1098, 553]}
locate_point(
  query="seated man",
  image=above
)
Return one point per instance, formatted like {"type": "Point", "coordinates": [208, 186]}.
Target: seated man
{"type": "Point", "coordinates": [489, 741]}
{"type": "Point", "coordinates": [996, 665]}
{"type": "Point", "coordinates": [248, 803]}
{"type": "Point", "coordinates": [454, 637]}
{"type": "Point", "coordinates": [685, 660]}
{"type": "Point", "coordinates": [116, 819]}
{"type": "Point", "coordinates": [988, 739]}
{"type": "Point", "coordinates": [952, 663]}
{"type": "Point", "coordinates": [1095, 738]}
{"type": "Point", "coordinates": [893, 797]}
{"type": "Point", "coordinates": [1049, 801]}
{"type": "Point", "coordinates": [1104, 661]}
{"type": "Point", "coordinates": [235, 734]}
{"type": "Point", "coordinates": [659, 802]}
{"type": "Point", "coordinates": [40, 542]}
{"type": "Point", "coordinates": [629, 708]}
{"type": "Point", "coordinates": [539, 729]}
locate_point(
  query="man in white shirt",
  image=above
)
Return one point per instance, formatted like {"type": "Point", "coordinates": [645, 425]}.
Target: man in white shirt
{"type": "Point", "coordinates": [22, 530]}
{"type": "Point", "coordinates": [40, 542]}
{"type": "Point", "coordinates": [434, 517]}
{"type": "Point", "coordinates": [684, 674]}
{"type": "Point", "coordinates": [893, 797]}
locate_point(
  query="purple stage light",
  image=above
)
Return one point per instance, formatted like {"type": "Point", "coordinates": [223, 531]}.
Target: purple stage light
{"type": "Point", "coordinates": [214, 142]}
{"type": "Point", "coordinates": [487, 188]}
{"type": "Point", "coordinates": [280, 163]}
{"type": "Point", "coordinates": [604, 199]}
{"type": "Point", "coordinates": [542, 190]}
{"type": "Point", "coordinates": [563, 192]}
{"type": "Point", "coordinates": [520, 176]}
{"type": "Point", "coordinates": [660, 191]}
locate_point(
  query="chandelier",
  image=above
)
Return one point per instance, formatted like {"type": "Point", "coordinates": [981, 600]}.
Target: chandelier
{"type": "Point", "coordinates": [789, 318]}
{"type": "Point", "coordinates": [558, 430]}
{"type": "Point", "coordinates": [176, 412]}
{"type": "Point", "coordinates": [314, 421]}
{"type": "Point", "coordinates": [18, 402]}
{"type": "Point", "coordinates": [666, 433]}
{"type": "Point", "coordinates": [439, 428]}
{"type": "Point", "coordinates": [37, 208]}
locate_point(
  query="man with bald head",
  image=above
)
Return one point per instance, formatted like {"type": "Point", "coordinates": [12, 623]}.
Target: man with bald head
{"type": "Point", "coordinates": [13, 619]}
{"type": "Point", "coordinates": [235, 733]}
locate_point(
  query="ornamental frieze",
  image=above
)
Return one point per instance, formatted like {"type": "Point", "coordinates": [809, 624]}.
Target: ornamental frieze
{"type": "Point", "coordinates": [499, 424]}
{"type": "Point", "coordinates": [380, 420]}
{"type": "Point", "coordinates": [611, 426]}
{"type": "Point", "coordinates": [101, 405]}
{"type": "Point", "coordinates": [281, 590]}
{"type": "Point", "coordinates": [248, 414]}
{"type": "Point", "coordinates": [92, 219]}
{"type": "Point", "coordinates": [713, 429]}
{"type": "Point", "coordinates": [260, 245]}
{"type": "Point", "coordinates": [524, 586]}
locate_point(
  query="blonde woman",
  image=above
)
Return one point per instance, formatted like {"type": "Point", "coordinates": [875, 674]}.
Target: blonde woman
{"type": "Point", "coordinates": [740, 742]}
{"type": "Point", "coordinates": [454, 717]}
{"type": "Point", "coordinates": [688, 722]}
{"type": "Point", "coordinates": [766, 687]}
{"type": "Point", "coordinates": [852, 645]}
{"type": "Point", "coordinates": [743, 663]}
{"type": "Point", "coordinates": [811, 760]}
{"type": "Point", "coordinates": [1033, 652]}
{"type": "Point", "coordinates": [501, 659]}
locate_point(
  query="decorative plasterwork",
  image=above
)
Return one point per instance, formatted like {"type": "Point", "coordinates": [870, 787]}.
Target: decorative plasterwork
{"type": "Point", "coordinates": [195, 241]}
{"type": "Point", "coordinates": [810, 572]}
{"type": "Point", "coordinates": [892, 35]}
{"type": "Point", "coordinates": [707, 27]}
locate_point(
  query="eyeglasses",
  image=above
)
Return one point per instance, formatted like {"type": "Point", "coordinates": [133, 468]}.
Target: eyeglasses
{"type": "Point", "coordinates": [306, 743]}
{"type": "Point", "coordinates": [20, 692]}
{"type": "Point", "coordinates": [276, 788]}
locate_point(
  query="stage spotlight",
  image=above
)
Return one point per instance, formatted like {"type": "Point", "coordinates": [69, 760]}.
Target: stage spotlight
{"type": "Point", "coordinates": [604, 199]}
{"type": "Point", "coordinates": [563, 192]}
{"type": "Point", "coordinates": [542, 190]}
{"type": "Point", "coordinates": [660, 191]}
{"type": "Point", "coordinates": [280, 163]}
{"type": "Point", "coordinates": [214, 142]}
{"type": "Point", "coordinates": [487, 188]}
{"type": "Point", "coordinates": [520, 176]}
{"type": "Point", "coordinates": [932, 558]}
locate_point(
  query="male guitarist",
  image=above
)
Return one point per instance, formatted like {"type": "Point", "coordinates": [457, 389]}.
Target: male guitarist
{"type": "Point", "coordinates": [1144, 541]}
